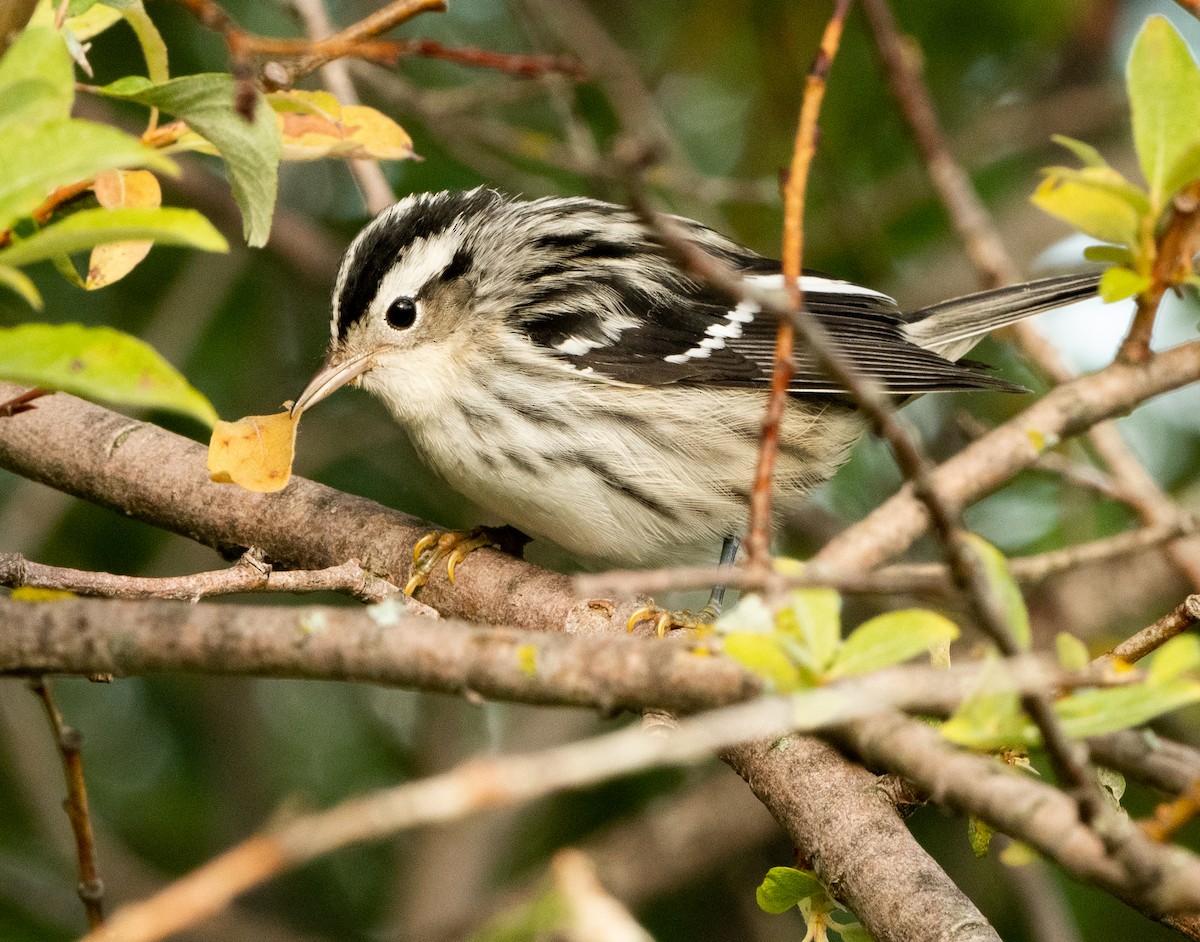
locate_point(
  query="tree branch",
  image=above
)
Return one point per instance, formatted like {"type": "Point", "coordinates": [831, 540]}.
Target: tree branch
{"type": "Point", "coordinates": [251, 573]}
{"type": "Point", "coordinates": [758, 537]}
{"type": "Point", "coordinates": [1010, 448]}
{"type": "Point", "coordinates": [68, 741]}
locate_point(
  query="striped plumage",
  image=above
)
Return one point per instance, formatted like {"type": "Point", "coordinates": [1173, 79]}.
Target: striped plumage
{"type": "Point", "coordinates": [555, 368]}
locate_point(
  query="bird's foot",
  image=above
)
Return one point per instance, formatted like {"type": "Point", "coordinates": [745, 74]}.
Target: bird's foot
{"type": "Point", "coordinates": [452, 547]}
{"type": "Point", "coordinates": [665, 621]}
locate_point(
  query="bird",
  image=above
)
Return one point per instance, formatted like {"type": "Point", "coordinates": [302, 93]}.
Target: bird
{"type": "Point", "coordinates": [552, 364]}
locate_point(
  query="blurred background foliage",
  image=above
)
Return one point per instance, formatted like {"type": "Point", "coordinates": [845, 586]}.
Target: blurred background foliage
{"type": "Point", "coordinates": [179, 767]}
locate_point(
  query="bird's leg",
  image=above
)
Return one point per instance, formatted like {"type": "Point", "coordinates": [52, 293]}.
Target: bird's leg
{"type": "Point", "coordinates": [664, 621]}
{"type": "Point", "coordinates": [728, 554]}
{"type": "Point", "coordinates": [453, 546]}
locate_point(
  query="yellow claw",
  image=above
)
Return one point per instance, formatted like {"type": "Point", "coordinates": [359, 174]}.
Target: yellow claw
{"type": "Point", "coordinates": [646, 611]}
{"type": "Point", "coordinates": [452, 547]}
{"type": "Point", "coordinates": [462, 551]}
{"type": "Point", "coordinates": [664, 621]}
{"type": "Point", "coordinates": [428, 540]}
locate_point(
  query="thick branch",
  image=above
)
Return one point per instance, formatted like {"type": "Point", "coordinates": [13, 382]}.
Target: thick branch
{"type": "Point", "coordinates": [1019, 806]}
{"type": "Point", "coordinates": [146, 472]}
{"type": "Point", "coordinates": [987, 463]}
{"type": "Point", "coordinates": [380, 645]}
{"type": "Point", "coordinates": [797, 781]}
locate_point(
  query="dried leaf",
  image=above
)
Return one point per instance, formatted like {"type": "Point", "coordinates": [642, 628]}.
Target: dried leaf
{"type": "Point", "coordinates": [118, 189]}
{"type": "Point", "coordinates": [255, 452]}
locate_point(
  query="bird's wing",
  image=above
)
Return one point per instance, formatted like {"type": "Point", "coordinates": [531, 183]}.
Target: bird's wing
{"type": "Point", "coordinates": [688, 336]}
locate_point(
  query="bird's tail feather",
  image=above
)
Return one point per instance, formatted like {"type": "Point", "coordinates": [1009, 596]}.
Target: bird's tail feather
{"type": "Point", "coordinates": [951, 328]}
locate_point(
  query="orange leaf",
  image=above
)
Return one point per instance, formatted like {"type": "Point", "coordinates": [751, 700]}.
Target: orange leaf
{"type": "Point", "coordinates": [118, 189]}
{"type": "Point", "coordinates": [255, 452]}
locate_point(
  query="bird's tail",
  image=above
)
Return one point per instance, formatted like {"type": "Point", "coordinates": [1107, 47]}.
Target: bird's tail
{"type": "Point", "coordinates": [951, 328]}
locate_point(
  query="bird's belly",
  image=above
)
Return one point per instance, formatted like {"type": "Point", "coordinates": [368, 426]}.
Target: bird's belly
{"type": "Point", "coordinates": [641, 482]}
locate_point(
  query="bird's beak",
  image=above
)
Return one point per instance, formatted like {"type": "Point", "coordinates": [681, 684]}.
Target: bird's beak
{"type": "Point", "coordinates": [335, 374]}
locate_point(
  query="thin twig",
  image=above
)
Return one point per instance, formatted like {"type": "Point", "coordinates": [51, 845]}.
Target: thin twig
{"type": "Point", "coordinates": [376, 191]}
{"type": "Point", "coordinates": [1192, 6]}
{"type": "Point", "coordinates": [288, 60]}
{"type": "Point", "coordinates": [1083, 475]}
{"type": "Point", "coordinates": [911, 579]}
{"type": "Point", "coordinates": [1183, 618]}
{"type": "Point", "coordinates": [758, 538]}
{"type": "Point", "coordinates": [594, 915]}
{"type": "Point", "coordinates": [251, 573]}
{"type": "Point", "coordinates": [1177, 246]}
{"type": "Point", "coordinates": [68, 740]}
{"type": "Point", "coordinates": [22, 403]}
{"type": "Point", "coordinates": [1170, 816]}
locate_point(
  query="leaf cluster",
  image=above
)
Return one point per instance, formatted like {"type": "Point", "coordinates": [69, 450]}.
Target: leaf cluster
{"type": "Point", "coordinates": [1163, 82]}
{"type": "Point", "coordinates": [54, 166]}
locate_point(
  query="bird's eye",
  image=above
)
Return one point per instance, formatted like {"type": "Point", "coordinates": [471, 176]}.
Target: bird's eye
{"type": "Point", "coordinates": [401, 313]}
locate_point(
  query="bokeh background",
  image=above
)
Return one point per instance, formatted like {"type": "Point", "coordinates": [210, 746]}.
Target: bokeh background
{"type": "Point", "coordinates": [180, 767]}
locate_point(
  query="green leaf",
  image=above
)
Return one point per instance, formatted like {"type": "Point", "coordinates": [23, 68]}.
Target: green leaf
{"type": "Point", "coordinates": [37, 80]}
{"type": "Point", "coordinates": [251, 150]}
{"type": "Point", "coordinates": [1095, 712]}
{"type": "Point", "coordinates": [80, 7]}
{"type": "Point", "coordinates": [17, 281]}
{"type": "Point", "coordinates": [154, 49]}
{"type": "Point", "coordinates": [854, 932]}
{"type": "Point", "coordinates": [1164, 96]}
{"type": "Point", "coordinates": [995, 567]}
{"type": "Point", "coordinates": [92, 22]}
{"type": "Point", "coordinates": [785, 887]}
{"type": "Point", "coordinates": [91, 227]}
{"type": "Point", "coordinates": [763, 655]}
{"type": "Point", "coordinates": [1072, 653]}
{"type": "Point", "coordinates": [36, 160]}
{"type": "Point", "coordinates": [1087, 154]}
{"type": "Point", "coordinates": [67, 269]}
{"type": "Point", "coordinates": [890, 639]}
{"type": "Point", "coordinates": [97, 363]}
{"type": "Point", "coordinates": [1174, 659]}
{"type": "Point", "coordinates": [1112, 254]}
{"type": "Point", "coordinates": [813, 618]}
{"type": "Point", "coordinates": [1187, 169]}
{"type": "Point", "coordinates": [1118, 283]}
{"type": "Point", "coordinates": [979, 833]}
{"type": "Point", "coordinates": [991, 717]}
{"type": "Point", "coordinates": [1097, 202]}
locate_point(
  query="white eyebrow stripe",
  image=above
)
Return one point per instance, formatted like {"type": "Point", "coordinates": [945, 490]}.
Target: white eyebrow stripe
{"type": "Point", "coordinates": [424, 260]}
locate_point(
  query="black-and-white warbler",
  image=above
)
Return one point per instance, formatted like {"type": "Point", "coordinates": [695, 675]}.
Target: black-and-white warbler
{"type": "Point", "coordinates": [554, 367]}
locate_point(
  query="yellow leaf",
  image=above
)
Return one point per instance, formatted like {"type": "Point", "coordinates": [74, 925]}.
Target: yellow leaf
{"type": "Point", "coordinates": [353, 132]}
{"type": "Point", "coordinates": [375, 134]}
{"type": "Point", "coordinates": [255, 452]}
{"type": "Point", "coordinates": [297, 99]}
{"type": "Point", "coordinates": [120, 189]}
